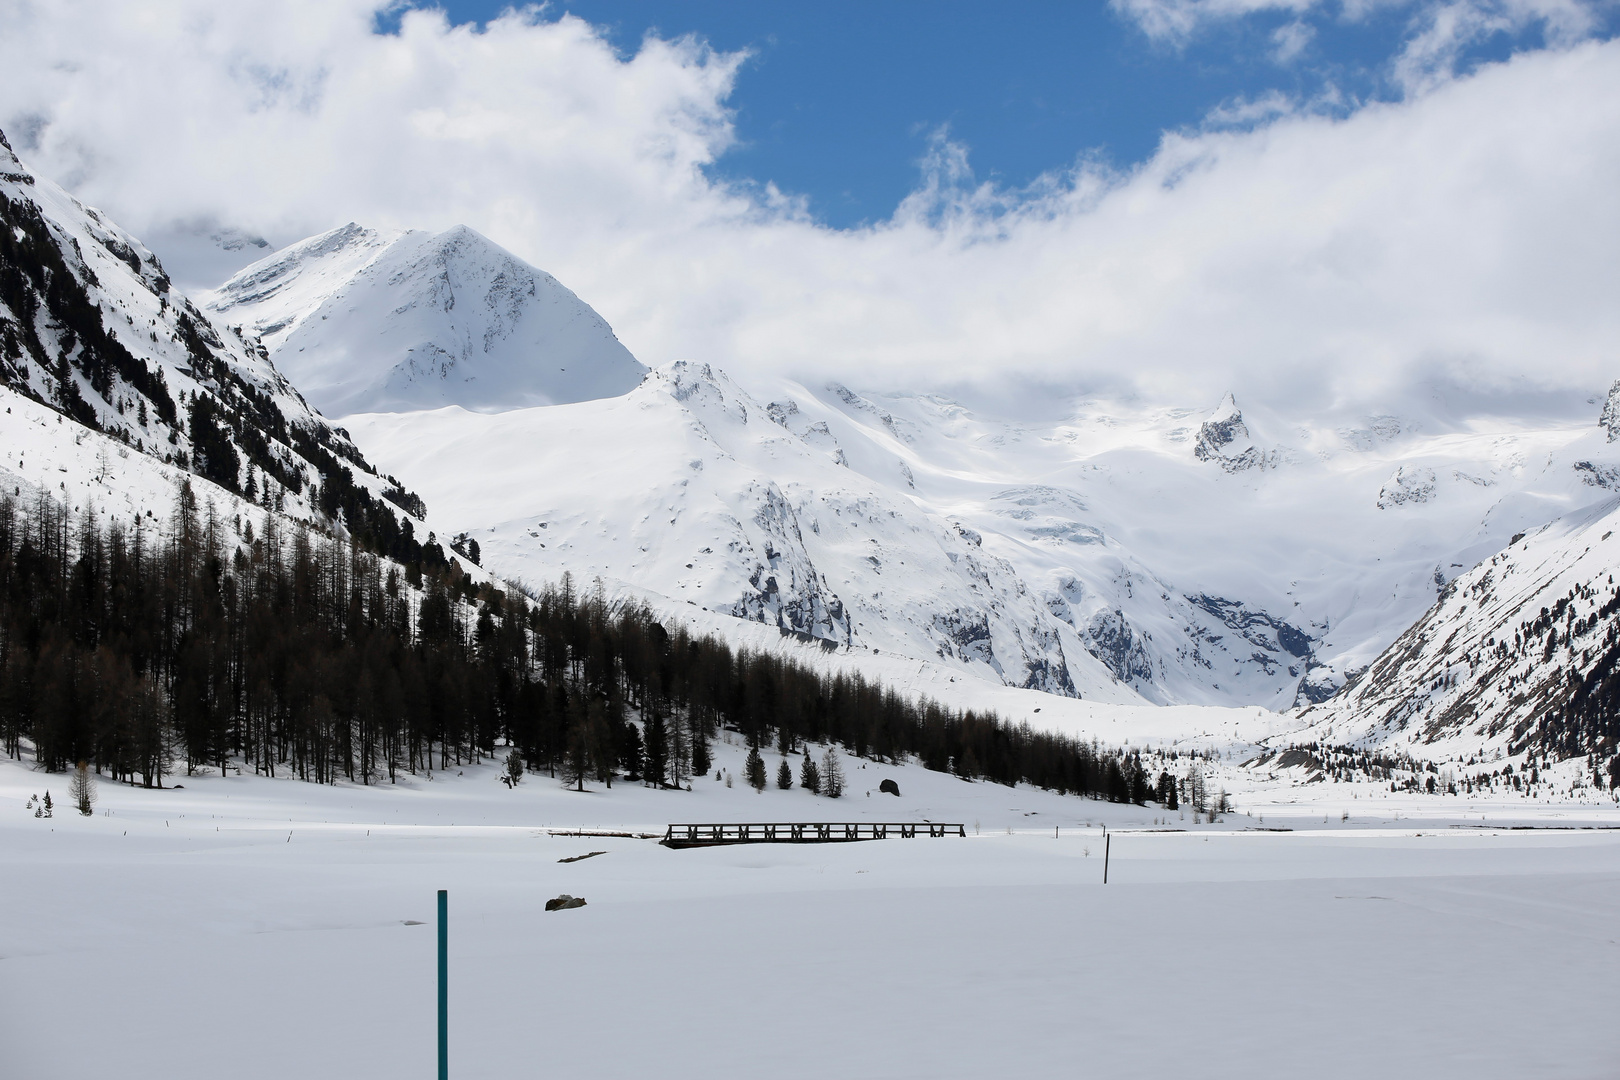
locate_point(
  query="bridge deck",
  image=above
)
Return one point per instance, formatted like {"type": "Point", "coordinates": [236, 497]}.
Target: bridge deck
{"type": "Point", "coordinates": [813, 832]}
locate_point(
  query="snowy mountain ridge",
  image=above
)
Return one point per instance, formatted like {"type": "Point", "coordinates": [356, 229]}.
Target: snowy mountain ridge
{"type": "Point", "coordinates": [91, 327]}
{"type": "Point", "coordinates": [365, 321]}
{"type": "Point", "coordinates": [1211, 559]}
{"type": "Point", "coordinates": [715, 503]}
{"type": "Point", "coordinates": [1118, 552]}
{"type": "Point", "coordinates": [1517, 655]}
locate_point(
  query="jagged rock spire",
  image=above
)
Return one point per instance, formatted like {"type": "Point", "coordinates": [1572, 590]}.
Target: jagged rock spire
{"type": "Point", "coordinates": [1224, 439]}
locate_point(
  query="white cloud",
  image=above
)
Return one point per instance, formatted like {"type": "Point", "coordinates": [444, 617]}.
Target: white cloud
{"type": "Point", "coordinates": [1242, 112]}
{"type": "Point", "coordinates": [1441, 31]}
{"type": "Point", "coordinates": [1466, 233]}
{"type": "Point", "coordinates": [1290, 40]}
{"type": "Point", "coordinates": [1176, 21]}
{"type": "Point", "coordinates": [1437, 34]}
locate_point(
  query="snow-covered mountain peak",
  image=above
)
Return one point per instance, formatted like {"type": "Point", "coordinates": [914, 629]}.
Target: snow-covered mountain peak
{"type": "Point", "coordinates": [701, 388]}
{"type": "Point", "coordinates": [1224, 439]}
{"type": "Point", "coordinates": [298, 278]}
{"type": "Point", "coordinates": [427, 319]}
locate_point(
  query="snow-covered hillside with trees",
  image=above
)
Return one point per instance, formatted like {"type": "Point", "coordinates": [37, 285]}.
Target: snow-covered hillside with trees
{"type": "Point", "coordinates": [92, 330]}
{"type": "Point", "coordinates": [1234, 554]}
{"type": "Point", "coordinates": [1098, 550]}
{"type": "Point", "coordinates": [688, 488]}
{"type": "Point", "coordinates": [1515, 663]}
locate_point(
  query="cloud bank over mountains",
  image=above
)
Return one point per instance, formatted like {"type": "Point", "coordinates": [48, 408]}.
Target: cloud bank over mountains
{"type": "Point", "coordinates": [1356, 259]}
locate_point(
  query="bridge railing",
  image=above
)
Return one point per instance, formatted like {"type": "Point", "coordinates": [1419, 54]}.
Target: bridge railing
{"type": "Point", "coordinates": [802, 832]}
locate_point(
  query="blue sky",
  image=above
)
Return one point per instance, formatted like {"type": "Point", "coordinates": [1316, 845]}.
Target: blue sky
{"type": "Point", "coordinates": [839, 99]}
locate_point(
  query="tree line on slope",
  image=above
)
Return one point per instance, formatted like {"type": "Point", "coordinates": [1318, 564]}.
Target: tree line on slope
{"type": "Point", "coordinates": [144, 650]}
{"type": "Point", "coordinates": [239, 437]}
{"type": "Point", "coordinates": [1562, 669]}
{"type": "Point", "coordinates": [1587, 720]}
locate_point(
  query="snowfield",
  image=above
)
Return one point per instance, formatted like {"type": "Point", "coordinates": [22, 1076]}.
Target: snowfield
{"type": "Point", "coordinates": [263, 928]}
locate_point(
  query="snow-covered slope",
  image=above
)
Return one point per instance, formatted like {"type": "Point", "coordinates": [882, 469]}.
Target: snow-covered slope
{"type": "Point", "coordinates": [1516, 655]}
{"type": "Point", "coordinates": [1207, 558]}
{"type": "Point", "coordinates": [690, 488]}
{"type": "Point", "coordinates": [1218, 556]}
{"type": "Point", "coordinates": [364, 320]}
{"type": "Point", "coordinates": [829, 516]}
{"type": "Point", "coordinates": [1196, 554]}
{"type": "Point", "coordinates": [91, 327]}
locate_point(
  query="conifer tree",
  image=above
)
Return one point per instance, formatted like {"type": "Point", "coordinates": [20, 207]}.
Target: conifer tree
{"type": "Point", "coordinates": [604, 751]}
{"type": "Point", "coordinates": [1167, 791]}
{"type": "Point", "coordinates": [754, 769]}
{"type": "Point", "coordinates": [809, 774]}
{"type": "Point", "coordinates": [514, 768]}
{"type": "Point", "coordinates": [702, 762]}
{"type": "Point", "coordinates": [784, 775]}
{"type": "Point", "coordinates": [631, 758]}
{"type": "Point", "coordinates": [577, 763]}
{"type": "Point", "coordinates": [655, 756]}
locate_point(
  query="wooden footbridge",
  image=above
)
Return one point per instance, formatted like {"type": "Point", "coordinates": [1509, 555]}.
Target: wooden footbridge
{"type": "Point", "coordinates": [816, 832]}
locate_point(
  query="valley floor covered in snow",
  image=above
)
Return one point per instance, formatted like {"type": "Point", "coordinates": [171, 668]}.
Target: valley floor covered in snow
{"type": "Point", "coordinates": [249, 927]}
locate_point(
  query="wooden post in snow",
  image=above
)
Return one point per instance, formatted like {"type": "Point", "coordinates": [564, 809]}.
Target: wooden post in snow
{"type": "Point", "coordinates": [444, 986]}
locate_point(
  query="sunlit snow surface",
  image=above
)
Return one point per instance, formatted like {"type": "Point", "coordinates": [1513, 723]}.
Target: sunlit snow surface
{"type": "Point", "coordinates": [1227, 553]}
{"type": "Point", "coordinates": [1130, 554]}
{"type": "Point", "coordinates": [363, 319]}
{"type": "Point", "coordinates": [253, 928]}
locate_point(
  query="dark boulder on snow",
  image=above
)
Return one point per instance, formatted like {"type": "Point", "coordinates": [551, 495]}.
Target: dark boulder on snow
{"type": "Point", "coordinates": [889, 787]}
{"type": "Point", "coordinates": [565, 901]}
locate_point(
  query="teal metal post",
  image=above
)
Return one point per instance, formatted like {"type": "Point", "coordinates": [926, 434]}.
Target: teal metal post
{"type": "Point", "coordinates": [444, 985]}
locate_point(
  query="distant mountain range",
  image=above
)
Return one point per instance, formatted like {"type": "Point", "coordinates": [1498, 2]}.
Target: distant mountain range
{"type": "Point", "coordinates": [1111, 551]}
{"type": "Point", "coordinates": [1118, 552]}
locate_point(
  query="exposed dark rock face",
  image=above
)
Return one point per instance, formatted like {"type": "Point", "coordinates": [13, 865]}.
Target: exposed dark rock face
{"type": "Point", "coordinates": [1410, 484]}
{"type": "Point", "coordinates": [1224, 439]}
{"type": "Point", "coordinates": [564, 902]}
{"type": "Point", "coordinates": [1609, 420]}
{"type": "Point", "coordinates": [1110, 638]}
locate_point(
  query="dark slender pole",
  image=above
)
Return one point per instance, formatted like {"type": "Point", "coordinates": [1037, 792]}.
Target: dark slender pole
{"type": "Point", "coordinates": [1108, 843]}
{"type": "Point", "coordinates": [444, 985]}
